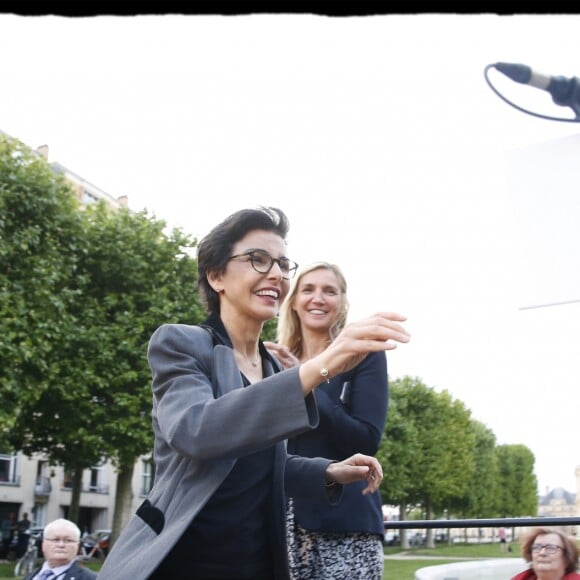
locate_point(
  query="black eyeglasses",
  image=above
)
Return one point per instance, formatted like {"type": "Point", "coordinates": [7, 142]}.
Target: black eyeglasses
{"type": "Point", "coordinates": [549, 548]}
{"type": "Point", "coordinates": [262, 262]}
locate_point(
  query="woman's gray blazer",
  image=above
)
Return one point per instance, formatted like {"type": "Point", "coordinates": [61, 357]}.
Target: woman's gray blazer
{"type": "Point", "coordinates": [203, 418]}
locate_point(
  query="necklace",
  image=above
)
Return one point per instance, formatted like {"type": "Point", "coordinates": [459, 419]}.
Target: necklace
{"type": "Point", "coordinates": [254, 363]}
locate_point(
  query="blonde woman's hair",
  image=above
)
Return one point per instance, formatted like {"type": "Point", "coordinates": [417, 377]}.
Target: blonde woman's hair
{"type": "Point", "coordinates": [289, 331]}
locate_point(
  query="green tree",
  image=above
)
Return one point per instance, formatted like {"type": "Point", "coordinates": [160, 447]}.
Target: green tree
{"type": "Point", "coordinates": [81, 293]}
{"type": "Point", "coordinates": [399, 448]}
{"type": "Point", "coordinates": [435, 461]}
{"type": "Point", "coordinates": [135, 277]}
{"type": "Point", "coordinates": [517, 486]}
{"type": "Point", "coordinates": [269, 330]}
{"type": "Point", "coordinates": [480, 498]}
{"type": "Point", "coordinates": [40, 232]}
{"type": "Point", "coordinates": [41, 239]}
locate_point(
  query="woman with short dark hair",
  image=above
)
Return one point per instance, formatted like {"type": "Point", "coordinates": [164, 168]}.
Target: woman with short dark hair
{"type": "Point", "coordinates": [222, 411]}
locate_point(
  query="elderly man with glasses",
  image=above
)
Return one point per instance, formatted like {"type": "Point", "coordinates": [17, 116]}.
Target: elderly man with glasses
{"type": "Point", "coordinates": [60, 546]}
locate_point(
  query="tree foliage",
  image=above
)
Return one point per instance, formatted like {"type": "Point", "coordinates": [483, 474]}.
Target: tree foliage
{"type": "Point", "coordinates": [517, 488]}
{"type": "Point", "coordinates": [438, 460]}
{"type": "Point", "coordinates": [40, 236]}
{"type": "Point", "coordinates": [427, 453]}
{"type": "Point", "coordinates": [428, 446]}
{"type": "Point", "coordinates": [480, 499]}
{"type": "Point", "coordinates": [83, 289]}
{"type": "Point", "coordinates": [134, 278]}
{"type": "Point", "coordinates": [400, 447]}
{"type": "Point", "coordinates": [269, 330]}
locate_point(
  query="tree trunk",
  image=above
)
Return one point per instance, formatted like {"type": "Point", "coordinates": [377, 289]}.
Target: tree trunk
{"type": "Point", "coordinates": [403, 531]}
{"type": "Point", "coordinates": [123, 499]}
{"type": "Point", "coordinates": [430, 532]}
{"type": "Point", "coordinates": [75, 498]}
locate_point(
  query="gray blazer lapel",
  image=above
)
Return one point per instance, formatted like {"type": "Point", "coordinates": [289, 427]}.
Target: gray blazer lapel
{"type": "Point", "coordinates": [225, 373]}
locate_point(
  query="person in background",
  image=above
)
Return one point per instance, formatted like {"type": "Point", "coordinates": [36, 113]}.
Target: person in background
{"type": "Point", "coordinates": [23, 529]}
{"type": "Point", "coordinates": [223, 409]}
{"type": "Point", "coordinates": [345, 541]}
{"type": "Point", "coordinates": [551, 554]}
{"type": "Point", "coordinates": [60, 546]}
{"type": "Point", "coordinates": [502, 535]}
{"type": "Point", "coordinates": [8, 530]}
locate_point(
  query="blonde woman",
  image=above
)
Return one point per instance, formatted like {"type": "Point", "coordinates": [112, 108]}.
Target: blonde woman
{"type": "Point", "coordinates": [342, 542]}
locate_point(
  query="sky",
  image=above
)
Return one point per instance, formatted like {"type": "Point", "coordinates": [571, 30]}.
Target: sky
{"type": "Point", "coordinates": [392, 157]}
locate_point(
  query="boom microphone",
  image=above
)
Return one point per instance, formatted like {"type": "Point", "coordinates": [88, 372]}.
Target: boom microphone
{"type": "Point", "coordinates": [564, 91]}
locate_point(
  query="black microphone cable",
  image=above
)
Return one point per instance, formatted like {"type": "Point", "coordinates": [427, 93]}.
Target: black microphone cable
{"type": "Point", "coordinates": [512, 104]}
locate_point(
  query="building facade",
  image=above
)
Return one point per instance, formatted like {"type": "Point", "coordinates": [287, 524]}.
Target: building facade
{"type": "Point", "coordinates": [559, 503]}
{"type": "Point", "coordinates": [31, 485]}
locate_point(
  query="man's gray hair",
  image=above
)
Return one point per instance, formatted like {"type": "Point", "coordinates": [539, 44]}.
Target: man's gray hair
{"type": "Point", "coordinates": [62, 523]}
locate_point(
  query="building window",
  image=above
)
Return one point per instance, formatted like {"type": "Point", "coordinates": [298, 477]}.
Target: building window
{"type": "Point", "coordinates": [147, 472]}
{"type": "Point", "coordinates": [67, 482]}
{"type": "Point", "coordinates": [96, 479]}
{"type": "Point", "coordinates": [89, 197]}
{"type": "Point", "coordinates": [8, 467]}
{"type": "Point", "coordinates": [39, 515]}
{"type": "Point", "coordinates": [42, 485]}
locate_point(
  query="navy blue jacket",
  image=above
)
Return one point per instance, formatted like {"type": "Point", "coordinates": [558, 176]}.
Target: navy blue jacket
{"type": "Point", "coordinates": [353, 412]}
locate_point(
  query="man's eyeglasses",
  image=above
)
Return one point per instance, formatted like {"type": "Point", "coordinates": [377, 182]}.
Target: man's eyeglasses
{"type": "Point", "coordinates": [549, 548]}
{"type": "Point", "coordinates": [262, 262]}
{"type": "Point", "coordinates": [66, 541]}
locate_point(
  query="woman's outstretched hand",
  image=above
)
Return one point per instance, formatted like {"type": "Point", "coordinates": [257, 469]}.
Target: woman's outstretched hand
{"type": "Point", "coordinates": [380, 332]}
{"type": "Point", "coordinates": [357, 467]}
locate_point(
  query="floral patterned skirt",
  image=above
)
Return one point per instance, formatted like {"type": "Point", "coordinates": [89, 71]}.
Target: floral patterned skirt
{"type": "Point", "coordinates": [333, 556]}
